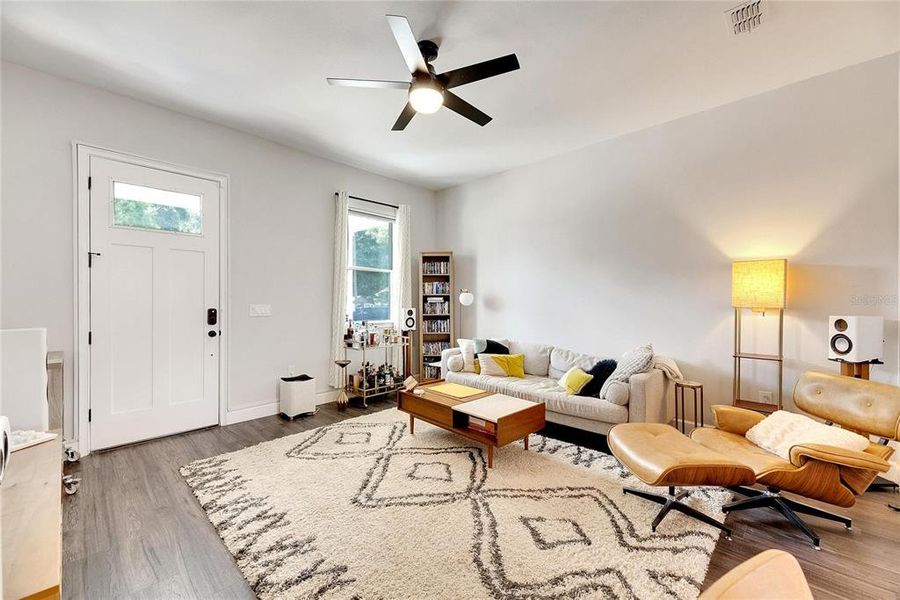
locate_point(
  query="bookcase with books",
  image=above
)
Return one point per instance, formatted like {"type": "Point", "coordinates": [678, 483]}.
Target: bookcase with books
{"type": "Point", "coordinates": [436, 310]}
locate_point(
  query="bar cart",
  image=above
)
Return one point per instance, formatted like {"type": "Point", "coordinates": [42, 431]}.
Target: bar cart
{"type": "Point", "coordinates": [370, 381]}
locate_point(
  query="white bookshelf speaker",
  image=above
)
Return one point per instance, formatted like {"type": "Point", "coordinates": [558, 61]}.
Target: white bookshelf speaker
{"type": "Point", "coordinates": [855, 339]}
{"type": "Point", "coordinates": [409, 319]}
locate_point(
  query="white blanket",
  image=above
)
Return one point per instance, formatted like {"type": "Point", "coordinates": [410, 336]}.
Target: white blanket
{"type": "Point", "coordinates": [668, 366]}
{"type": "Point", "coordinates": [782, 430]}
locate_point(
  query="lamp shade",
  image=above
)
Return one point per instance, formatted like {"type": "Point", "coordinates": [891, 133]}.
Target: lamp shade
{"type": "Point", "coordinates": [466, 298]}
{"type": "Point", "coordinates": [759, 284]}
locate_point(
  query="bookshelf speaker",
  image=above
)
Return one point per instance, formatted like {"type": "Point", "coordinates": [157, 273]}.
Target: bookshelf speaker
{"type": "Point", "coordinates": [409, 319]}
{"type": "Point", "coordinates": [855, 339]}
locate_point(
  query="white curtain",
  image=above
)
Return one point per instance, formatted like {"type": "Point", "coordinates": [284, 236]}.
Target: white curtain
{"type": "Point", "coordinates": [339, 290]}
{"type": "Point", "coordinates": [404, 260]}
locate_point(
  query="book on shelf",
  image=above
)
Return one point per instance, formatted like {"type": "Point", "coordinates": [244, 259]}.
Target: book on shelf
{"type": "Point", "coordinates": [434, 267]}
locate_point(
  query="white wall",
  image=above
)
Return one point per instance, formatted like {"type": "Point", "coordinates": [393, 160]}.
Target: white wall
{"type": "Point", "coordinates": [281, 221]}
{"type": "Point", "coordinates": [632, 240]}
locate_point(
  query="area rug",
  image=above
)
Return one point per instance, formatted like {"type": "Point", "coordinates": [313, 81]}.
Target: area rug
{"type": "Point", "coordinates": [362, 509]}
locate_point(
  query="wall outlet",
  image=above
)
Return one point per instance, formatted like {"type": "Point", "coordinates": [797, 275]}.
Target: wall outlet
{"type": "Point", "coordinates": [260, 310]}
{"type": "Point", "coordinates": [765, 397]}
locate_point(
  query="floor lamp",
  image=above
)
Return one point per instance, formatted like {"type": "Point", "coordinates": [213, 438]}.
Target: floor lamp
{"type": "Point", "coordinates": [761, 286]}
{"type": "Point", "coordinates": [466, 298]}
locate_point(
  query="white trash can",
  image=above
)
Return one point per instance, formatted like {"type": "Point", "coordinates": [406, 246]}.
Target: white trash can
{"type": "Point", "coordinates": [297, 395]}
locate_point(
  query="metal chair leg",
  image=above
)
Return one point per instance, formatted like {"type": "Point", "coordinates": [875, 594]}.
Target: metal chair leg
{"type": "Point", "coordinates": [806, 509]}
{"type": "Point", "coordinates": [798, 522]}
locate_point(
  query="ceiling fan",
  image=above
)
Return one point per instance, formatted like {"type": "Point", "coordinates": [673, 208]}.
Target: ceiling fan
{"type": "Point", "coordinates": [428, 91]}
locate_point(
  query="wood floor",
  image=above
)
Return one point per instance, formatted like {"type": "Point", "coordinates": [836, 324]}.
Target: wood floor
{"type": "Point", "coordinates": [135, 531]}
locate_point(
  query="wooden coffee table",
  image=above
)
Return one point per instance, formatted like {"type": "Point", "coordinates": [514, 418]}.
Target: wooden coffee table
{"type": "Point", "coordinates": [490, 419]}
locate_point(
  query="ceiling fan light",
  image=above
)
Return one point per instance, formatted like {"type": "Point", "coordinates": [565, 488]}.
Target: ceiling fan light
{"type": "Point", "coordinates": [426, 99]}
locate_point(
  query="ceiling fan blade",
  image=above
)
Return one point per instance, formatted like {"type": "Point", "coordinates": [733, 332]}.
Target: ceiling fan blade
{"type": "Point", "coordinates": [479, 71]}
{"type": "Point", "coordinates": [460, 106]}
{"type": "Point", "coordinates": [368, 83]}
{"type": "Point", "coordinates": [409, 47]}
{"type": "Point", "coordinates": [405, 117]}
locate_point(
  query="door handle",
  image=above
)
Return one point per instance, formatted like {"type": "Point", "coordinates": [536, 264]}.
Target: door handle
{"type": "Point", "coordinates": [212, 333]}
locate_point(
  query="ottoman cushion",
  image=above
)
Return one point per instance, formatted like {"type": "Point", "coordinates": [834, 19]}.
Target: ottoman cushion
{"type": "Point", "coordinates": [660, 455]}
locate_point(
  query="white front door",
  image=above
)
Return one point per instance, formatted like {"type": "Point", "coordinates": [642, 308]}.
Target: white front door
{"type": "Point", "coordinates": [154, 286]}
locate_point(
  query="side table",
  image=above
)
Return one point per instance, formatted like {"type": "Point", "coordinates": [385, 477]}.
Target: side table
{"type": "Point", "coordinates": [697, 388]}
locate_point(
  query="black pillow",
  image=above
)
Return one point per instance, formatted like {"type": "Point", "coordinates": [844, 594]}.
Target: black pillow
{"type": "Point", "coordinates": [494, 347]}
{"type": "Point", "coordinates": [601, 372]}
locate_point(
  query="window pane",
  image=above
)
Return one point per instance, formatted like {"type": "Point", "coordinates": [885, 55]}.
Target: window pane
{"type": "Point", "coordinates": [371, 242]}
{"type": "Point", "coordinates": [370, 295]}
{"type": "Point", "coordinates": [150, 208]}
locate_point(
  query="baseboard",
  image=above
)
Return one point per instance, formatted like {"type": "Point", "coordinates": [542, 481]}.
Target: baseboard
{"type": "Point", "coordinates": [269, 408]}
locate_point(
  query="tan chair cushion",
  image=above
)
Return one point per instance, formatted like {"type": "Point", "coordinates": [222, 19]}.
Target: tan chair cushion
{"type": "Point", "coordinates": [770, 574]}
{"type": "Point", "coordinates": [858, 404]}
{"type": "Point", "coordinates": [742, 450]}
{"type": "Point", "coordinates": [658, 454]}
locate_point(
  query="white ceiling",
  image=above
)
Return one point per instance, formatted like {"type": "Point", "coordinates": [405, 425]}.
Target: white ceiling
{"type": "Point", "coordinates": [590, 70]}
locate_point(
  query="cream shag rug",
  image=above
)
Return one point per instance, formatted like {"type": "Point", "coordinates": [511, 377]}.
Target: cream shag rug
{"type": "Point", "coordinates": [362, 509]}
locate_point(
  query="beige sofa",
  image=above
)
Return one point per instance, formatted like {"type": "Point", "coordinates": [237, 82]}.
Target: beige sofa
{"type": "Point", "coordinates": [641, 399]}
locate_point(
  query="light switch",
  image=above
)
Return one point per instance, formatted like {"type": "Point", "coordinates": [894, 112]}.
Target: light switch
{"type": "Point", "coordinates": [260, 310]}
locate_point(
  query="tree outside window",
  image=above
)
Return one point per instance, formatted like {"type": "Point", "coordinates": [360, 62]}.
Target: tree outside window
{"type": "Point", "coordinates": [371, 262]}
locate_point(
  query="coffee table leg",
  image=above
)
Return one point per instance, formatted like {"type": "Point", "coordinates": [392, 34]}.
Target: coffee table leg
{"type": "Point", "coordinates": [490, 450]}
{"type": "Point", "coordinates": [412, 425]}
{"type": "Point", "coordinates": [526, 441]}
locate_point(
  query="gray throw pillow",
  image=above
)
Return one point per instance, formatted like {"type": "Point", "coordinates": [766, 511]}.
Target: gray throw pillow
{"type": "Point", "coordinates": [639, 360]}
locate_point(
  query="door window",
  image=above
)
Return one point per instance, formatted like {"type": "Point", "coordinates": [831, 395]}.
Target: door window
{"type": "Point", "coordinates": [141, 207]}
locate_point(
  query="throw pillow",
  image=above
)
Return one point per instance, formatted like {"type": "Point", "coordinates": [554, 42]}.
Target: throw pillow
{"type": "Point", "coordinates": [782, 430]}
{"type": "Point", "coordinates": [502, 365]}
{"type": "Point", "coordinates": [639, 360]}
{"type": "Point", "coordinates": [574, 380]}
{"type": "Point", "coordinates": [470, 348]}
{"type": "Point", "coordinates": [601, 372]}
{"type": "Point", "coordinates": [456, 363]}
{"type": "Point", "coordinates": [618, 392]}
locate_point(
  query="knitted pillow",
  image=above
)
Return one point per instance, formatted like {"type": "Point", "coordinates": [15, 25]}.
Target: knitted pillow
{"type": "Point", "coordinates": [639, 360]}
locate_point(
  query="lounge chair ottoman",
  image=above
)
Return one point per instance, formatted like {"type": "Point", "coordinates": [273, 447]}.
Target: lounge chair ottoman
{"type": "Point", "coordinates": [659, 455]}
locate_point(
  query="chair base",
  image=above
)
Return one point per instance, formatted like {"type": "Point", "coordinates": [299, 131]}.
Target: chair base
{"type": "Point", "coordinates": [672, 501]}
{"type": "Point", "coordinates": [771, 498]}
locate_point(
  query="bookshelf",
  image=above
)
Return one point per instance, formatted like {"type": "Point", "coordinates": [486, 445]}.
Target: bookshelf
{"type": "Point", "coordinates": [437, 310]}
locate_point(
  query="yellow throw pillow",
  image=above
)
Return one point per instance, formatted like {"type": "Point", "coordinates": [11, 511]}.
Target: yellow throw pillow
{"type": "Point", "coordinates": [574, 380]}
{"type": "Point", "coordinates": [502, 365]}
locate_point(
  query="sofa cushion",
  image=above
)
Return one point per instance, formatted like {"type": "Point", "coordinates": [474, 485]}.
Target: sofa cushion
{"type": "Point", "coordinates": [595, 409]}
{"type": "Point", "coordinates": [526, 388]}
{"type": "Point", "coordinates": [548, 391]}
{"type": "Point", "coordinates": [537, 356]}
{"type": "Point", "coordinates": [632, 362]}
{"type": "Point", "coordinates": [561, 360]}
{"type": "Point", "coordinates": [618, 392]}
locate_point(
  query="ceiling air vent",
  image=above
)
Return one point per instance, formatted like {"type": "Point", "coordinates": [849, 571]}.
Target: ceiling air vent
{"type": "Point", "coordinates": [746, 17]}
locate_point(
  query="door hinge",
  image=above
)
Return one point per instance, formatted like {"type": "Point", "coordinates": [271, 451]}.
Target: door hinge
{"type": "Point", "coordinates": [90, 337]}
{"type": "Point", "coordinates": [89, 415]}
{"type": "Point", "coordinates": [89, 182]}
{"type": "Point", "coordinates": [91, 256]}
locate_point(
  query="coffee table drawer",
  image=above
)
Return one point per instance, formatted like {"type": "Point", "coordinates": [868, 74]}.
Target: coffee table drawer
{"type": "Point", "coordinates": [428, 411]}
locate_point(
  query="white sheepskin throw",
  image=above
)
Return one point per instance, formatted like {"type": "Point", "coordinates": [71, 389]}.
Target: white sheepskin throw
{"type": "Point", "coordinates": [782, 430]}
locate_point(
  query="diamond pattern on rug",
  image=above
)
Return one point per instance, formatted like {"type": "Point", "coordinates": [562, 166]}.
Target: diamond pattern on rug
{"type": "Point", "coordinates": [332, 441]}
{"type": "Point", "coordinates": [389, 481]}
{"type": "Point", "coordinates": [435, 471]}
{"type": "Point", "coordinates": [550, 533]}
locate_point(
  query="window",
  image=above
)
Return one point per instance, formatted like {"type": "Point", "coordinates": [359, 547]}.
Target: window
{"type": "Point", "coordinates": [143, 207]}
{"type": "Point", "coordinates": [371, 265]}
